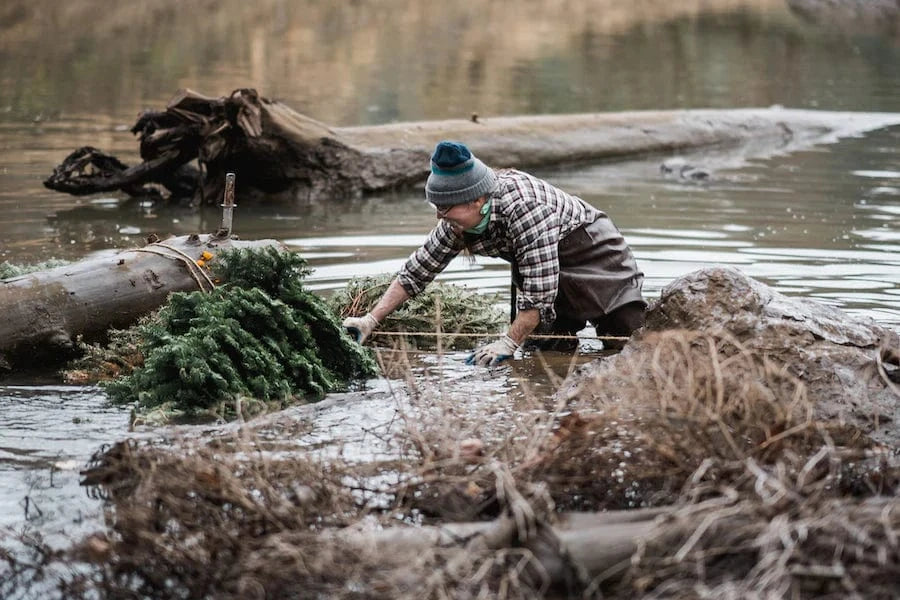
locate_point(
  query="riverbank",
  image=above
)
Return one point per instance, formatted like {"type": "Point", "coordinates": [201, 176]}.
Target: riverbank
{"type": "Point", "coordinates": [722, 439]}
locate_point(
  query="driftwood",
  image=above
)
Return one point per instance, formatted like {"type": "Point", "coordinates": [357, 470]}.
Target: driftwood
{"type": "Point", "coordinates": [46, 312]}
{"type": "Point", "coordinates": [280, 154]}
{"type": "Point", "coordinates": [107, 173]}
{"type": "Point", "coordinates": [582, 545]}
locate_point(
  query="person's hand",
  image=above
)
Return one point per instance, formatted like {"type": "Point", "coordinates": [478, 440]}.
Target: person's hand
{"type": "Point", "coordinates": [493, 353]}
{"type": "Point", "coordinates": [361, 327]}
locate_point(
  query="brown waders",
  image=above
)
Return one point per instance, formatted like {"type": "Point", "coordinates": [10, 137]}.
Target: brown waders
{"type": "Point", "coordinates": [598, 282]}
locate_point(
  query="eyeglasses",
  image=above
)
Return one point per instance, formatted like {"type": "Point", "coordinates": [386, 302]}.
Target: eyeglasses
{"type": "Point", "coordinates": [441, 210]}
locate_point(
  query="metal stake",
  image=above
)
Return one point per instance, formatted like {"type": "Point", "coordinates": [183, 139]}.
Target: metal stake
{"type": "Point", "coordinates": [227, 207]}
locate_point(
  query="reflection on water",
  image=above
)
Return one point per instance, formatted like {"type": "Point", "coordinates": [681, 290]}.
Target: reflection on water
{"type": "Point", "coordinates": [823, 222]}
{"type": "Point", "coordinates": [47, 434]}
{"type": "Point", "coordinates": [366, 428]}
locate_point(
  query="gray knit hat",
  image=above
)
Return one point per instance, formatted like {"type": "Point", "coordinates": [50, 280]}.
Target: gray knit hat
{"type": "Point", "coordinates": [456, 176]}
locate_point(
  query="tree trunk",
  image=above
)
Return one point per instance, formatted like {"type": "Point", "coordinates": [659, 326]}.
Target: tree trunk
{"type": "Point", "coordinates": [44, 312]}
{"type": "Point", "coordinates": [595, 543]}
{"type": "Point", "coordinates": [851, 17]}
{"type": "Point", "coordinates": [279, 154]}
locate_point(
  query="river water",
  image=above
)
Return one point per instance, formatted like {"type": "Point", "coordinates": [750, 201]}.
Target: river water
{"type": "Point", "coordinates": [822, 222]}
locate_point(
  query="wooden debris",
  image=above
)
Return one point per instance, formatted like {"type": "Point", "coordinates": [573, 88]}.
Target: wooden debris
{"type": "Point", "coordinates": [45, 312]}
{"type": "Point", "coordinates": [283, 155]}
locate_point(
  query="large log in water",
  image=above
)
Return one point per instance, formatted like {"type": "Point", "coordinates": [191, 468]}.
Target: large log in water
{"type": "Point", "coordinates": [869, 17]}
{"type": "Point", "coordinates": [280, 154]}
{"type": "Point", "coordinates": [45, 312]}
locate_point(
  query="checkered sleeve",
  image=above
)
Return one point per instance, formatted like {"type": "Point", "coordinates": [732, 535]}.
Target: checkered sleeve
{"type": "Point", "coordinates": [535, 229]}
{"type": "Point", "coordinates": [423, 265]}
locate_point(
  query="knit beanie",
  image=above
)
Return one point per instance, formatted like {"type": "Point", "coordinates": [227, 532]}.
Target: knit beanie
{"type": "Point", "coordinates": [457, 176]}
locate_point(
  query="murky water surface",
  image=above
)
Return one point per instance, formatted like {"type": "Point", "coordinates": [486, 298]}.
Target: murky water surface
{"type": "Point", "coordinates": [823, 222]}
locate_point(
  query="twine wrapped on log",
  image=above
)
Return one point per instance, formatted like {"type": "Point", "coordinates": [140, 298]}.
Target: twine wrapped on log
{"type": "Point", "coordinates": [46, 312]}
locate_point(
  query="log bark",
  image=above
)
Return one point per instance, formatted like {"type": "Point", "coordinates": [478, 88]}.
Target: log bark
{"type": "Point", "coordinates": [592, 543]}
{"type": "Point", "coordinates": [279, 154]}
{"type": "Point", "coordinates": [45, 312]}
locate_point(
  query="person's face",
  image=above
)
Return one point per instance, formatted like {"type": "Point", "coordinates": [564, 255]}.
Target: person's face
{"type": "Point", "coordinates": [462, 216]}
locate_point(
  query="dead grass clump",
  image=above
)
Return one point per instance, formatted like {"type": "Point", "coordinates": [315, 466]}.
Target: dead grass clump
{"type": "Point", "coordinates": [184, 523]}
{"type": "Point", "coordinates": [121, 355]}
{"type": "Point", "coordinates": [678, 409]}
{"type": "Point", "coordinates": [228, 522]}
{"type": "Point", "coordinates": [786, 540]}
{"type": "Point", "coordinates": [451, 444]}
{"type": "Point", "coordinates": [675, 417]}
{"type": "Point", "coordinates": [498, 560]}
{"type": "Point", "coordinates": [445, 307]}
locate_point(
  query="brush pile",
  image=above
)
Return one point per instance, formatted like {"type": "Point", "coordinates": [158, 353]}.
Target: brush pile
{"type": "Point", "coordinates": [258, 342]}
{"type": "Point", "coordinates": [754, 496]}
{"type": "Point", "coordinates": [444, 307]}
{"type": "Point", "coordinates": [690, 465]}
{"type": "Point", "coordinates": [261, 340]}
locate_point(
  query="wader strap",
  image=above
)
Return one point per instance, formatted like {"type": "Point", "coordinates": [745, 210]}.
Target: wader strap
{"type": "Point", "coordinates": [514, 281]}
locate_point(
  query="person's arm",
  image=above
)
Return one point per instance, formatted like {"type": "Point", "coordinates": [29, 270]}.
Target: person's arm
{"type": "Point", "coordinates": [418, 271]}
{"type": "Point", "coordinates": [392, 299]}
{"type": "Point", "coordinates": [535, 231]}
{"type": "Point", "coordinates": [525, 322]}
{"type": "Point", "coordinates": [362, 327]}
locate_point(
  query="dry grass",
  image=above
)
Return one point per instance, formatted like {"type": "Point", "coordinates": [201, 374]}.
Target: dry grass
{"type": "Point", "coordinates": [679, 413]}
{"type": "Point", "coordinates": [675, 419]}
{"type": "Point", "coordinates": [765, 501]}
{"type": "Point", "coordinates": [193, 521]}
{"type": "Point", "coordinates": [777, 544]}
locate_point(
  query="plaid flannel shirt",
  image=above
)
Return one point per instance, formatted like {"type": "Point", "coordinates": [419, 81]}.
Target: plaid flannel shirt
{"type": "Point", "coordinates": [528, 219]}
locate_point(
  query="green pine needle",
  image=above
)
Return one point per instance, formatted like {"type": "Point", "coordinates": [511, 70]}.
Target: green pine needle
{"type": "Point", "coordinates": [445, 306]}
{"type": "Point", "coordinates": [260, 336]}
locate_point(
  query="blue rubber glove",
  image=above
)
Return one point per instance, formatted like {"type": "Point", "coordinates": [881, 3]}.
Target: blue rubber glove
{"type": "Point", "coordinates": [494, 353]}
{"type": "Point", "coordinates": [361, 327]}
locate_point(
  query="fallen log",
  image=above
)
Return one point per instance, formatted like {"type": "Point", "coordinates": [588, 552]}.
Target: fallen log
{"type": "Point", "coordinates": [281, 155]}
{"type": "Point", "coordinates": [586, 544]}
{"type": "Point", "coordinates": [46, 312]}
{"type": "Point", "coordinates": [851, 16]}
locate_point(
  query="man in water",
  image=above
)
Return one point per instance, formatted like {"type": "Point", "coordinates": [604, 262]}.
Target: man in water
{"type": "Point", "coordinates": [569, 262]}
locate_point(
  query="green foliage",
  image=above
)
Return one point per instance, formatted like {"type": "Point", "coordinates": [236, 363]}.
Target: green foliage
{"type": "Point", "coordinates": [101, 362]}
{"type": "Point", "coordinates": [8, 270]}
{"type": "Point", "coordinates": [453, 308]}
{"type": "Point", "coordinates": [259, 338]}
